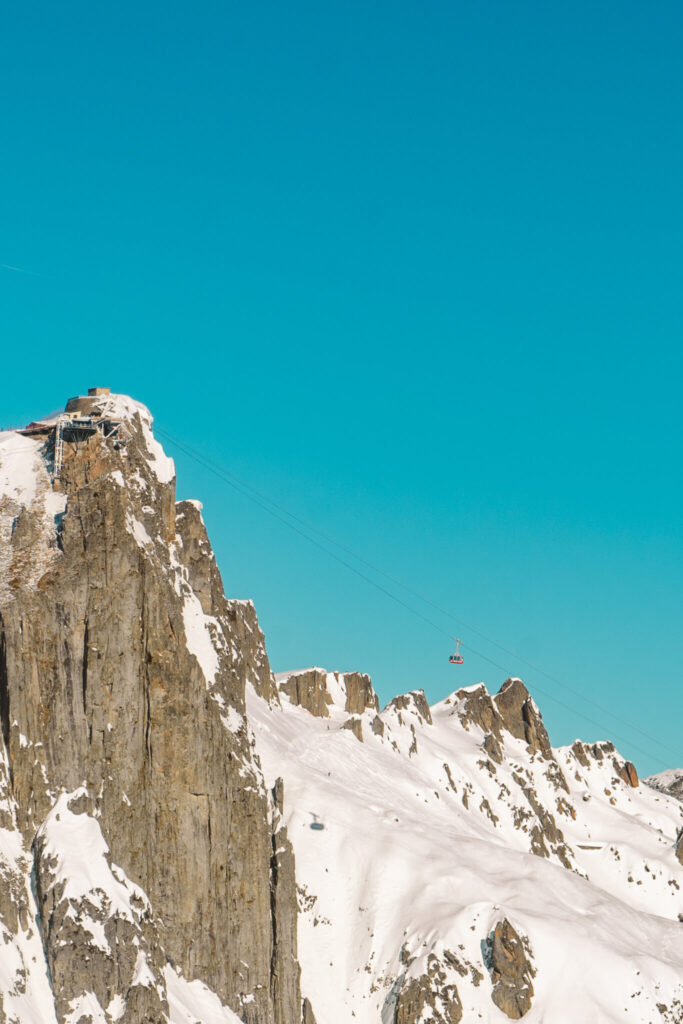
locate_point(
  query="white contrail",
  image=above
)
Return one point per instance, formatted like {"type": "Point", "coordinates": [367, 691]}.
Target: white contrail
{"type": "Point", "coordinates": [18, 270]}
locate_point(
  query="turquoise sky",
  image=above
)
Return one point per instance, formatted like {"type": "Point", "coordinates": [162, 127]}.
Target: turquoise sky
{"type": "Point", "coordinates": [413, 270]}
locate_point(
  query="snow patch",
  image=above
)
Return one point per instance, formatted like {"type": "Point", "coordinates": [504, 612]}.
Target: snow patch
{"type": "Point", "coordinates": [232, 720]}
{"type": "Point", "coordinates": [116, 1008]}
{"type": "Point", "coordinates": [80, 853]}
{"type": "Point", "coordinates": [20, 465]}
{"type": "Point", "coordinates": [86, 1006]}
{"type": "Point", "coordinates": [191, 1002]}
{"type": "Point", "coordinates": [142, 975]}
{"type": "Point", "coordinates": [135, 527]}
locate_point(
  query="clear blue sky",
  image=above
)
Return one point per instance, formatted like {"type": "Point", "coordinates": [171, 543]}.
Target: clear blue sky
{"type": "Point", "coordinates": [412, 269]}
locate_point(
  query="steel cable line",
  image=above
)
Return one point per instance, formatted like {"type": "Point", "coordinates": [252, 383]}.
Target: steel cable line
{"type": "Point", "coordinates": [244, 488]}
{"type": "Point", "coordinates": [261, 501]}
{"type": "Point", "coordinates": [436, 607]}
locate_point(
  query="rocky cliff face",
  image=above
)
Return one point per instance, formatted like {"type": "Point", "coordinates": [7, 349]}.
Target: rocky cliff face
{"type": "Point", "coordinates": [122, 684]}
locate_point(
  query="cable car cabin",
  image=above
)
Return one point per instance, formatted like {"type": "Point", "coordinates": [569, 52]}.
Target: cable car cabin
{"type": "Point", "coordinates": [457, 658]}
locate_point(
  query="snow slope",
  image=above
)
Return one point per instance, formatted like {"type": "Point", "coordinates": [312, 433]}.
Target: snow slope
{"type": "Point", "coordinates": [427, 844]}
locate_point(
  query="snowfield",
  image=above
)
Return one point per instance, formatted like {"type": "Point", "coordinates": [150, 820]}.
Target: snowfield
{"type": "Point", "coordinates": [426, 845]}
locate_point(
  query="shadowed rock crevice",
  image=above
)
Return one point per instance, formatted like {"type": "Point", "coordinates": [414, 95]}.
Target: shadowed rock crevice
{"type": "Point", "coordinates": [4, 694]}
{"type": "Point", "coordinates": [85, 664]}
{"type": "Point", "coordinates": [285, 970]}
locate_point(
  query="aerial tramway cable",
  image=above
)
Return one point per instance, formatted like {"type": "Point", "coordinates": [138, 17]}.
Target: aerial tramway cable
{"type": "Point", "coordinates": [274, 509]}
{"type": "Point", "coordinates": [425, 600]}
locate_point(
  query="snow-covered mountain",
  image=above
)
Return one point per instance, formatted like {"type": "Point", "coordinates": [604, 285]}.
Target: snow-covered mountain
{"type": "Point", "coordinates": [670, 781]}
{"type": "Point", "coordinates": [186, 838]}
{"type": "Point", "coordinates": [446, 827]}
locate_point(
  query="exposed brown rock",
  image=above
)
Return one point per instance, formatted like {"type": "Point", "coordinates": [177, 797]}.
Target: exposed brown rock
{"type": "Point", "coordinates": [429, 996]}
{"type": "Point", "coordinates": [627, 772]}
{"type": "Point", "coordinates": [309, 690]}
{"type": "Point", "coordinates": [355, 726]}
{"type": "Point", "coordinates": [414, 701]}
{"type": "Point", "coordinates": [307, 1015]}
{"type": "Point", "coordinates": [359, 693]}
{"type": "Point", "coordinates": [476, 707]}
{"type": "Point", "coordinates": [520, 716]}
{"type": "Point", "coordinates": [493, 748]}
{"type": "Point", "coordinates": [601, 750]}
{"type": "Point", "coordinates": [511, 971]}
{"type": "Point", "coordinates": [546, 836]}
{"type": "Point", "coordinates": [286, 972]}
{"type": "Point", "coordinates": [579, 752]}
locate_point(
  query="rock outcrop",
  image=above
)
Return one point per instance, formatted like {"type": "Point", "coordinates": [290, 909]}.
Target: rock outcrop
{"type": "Point", "coordinates": [414, 703]}
{"type": "Point", "coordinates": [317, 690]}
{"type": "Point", "coordinates": [307, 1015]}
{"type": "Point", "coordinates": [511, 971]}
{"type": "Point", "coordinates": [355, 726]}
{"type": "Point", "coordinates": [521, 717]}
{"type": "Point", "coordinates": [309, 690]}
{"type": "Point", "coordinates": [627, 772]}
{"type": "Point", "coordinates": [359, 693]}
{"type": "Point", "coordinates": [511, 710]}
{"type": "Point", "coordinates": [430, 996]}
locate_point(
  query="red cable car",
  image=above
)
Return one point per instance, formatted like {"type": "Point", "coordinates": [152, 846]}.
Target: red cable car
{"type": "Point", "coordinates": [457, 658]}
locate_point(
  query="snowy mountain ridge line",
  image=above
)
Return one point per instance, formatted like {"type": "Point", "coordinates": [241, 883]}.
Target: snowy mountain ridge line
{"type": "Point", "coordinates": [456, 818]}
